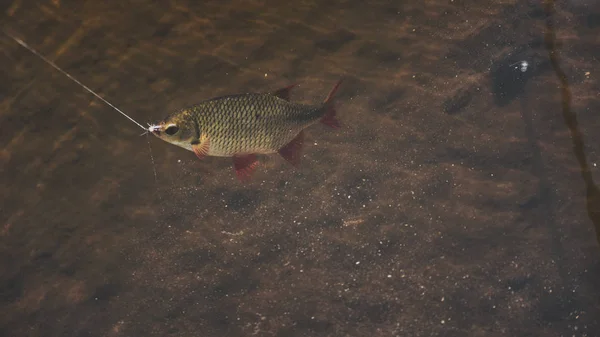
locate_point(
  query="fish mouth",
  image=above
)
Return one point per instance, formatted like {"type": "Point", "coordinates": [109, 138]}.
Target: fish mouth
{"type": "Point", "coordinates": [155, 129]}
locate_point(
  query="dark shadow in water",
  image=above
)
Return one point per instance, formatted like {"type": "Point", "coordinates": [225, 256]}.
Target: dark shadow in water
{"type": "Point", "coordinates": [510, 74]}
{"type": "Point", "coordinates": [592, 191]}
{"type": "Point", "coordinates": [457, 102]}
{"type": "Point", "coordinates": [552, 308]}
{"type": "Point", "coordinates": [593, 20]}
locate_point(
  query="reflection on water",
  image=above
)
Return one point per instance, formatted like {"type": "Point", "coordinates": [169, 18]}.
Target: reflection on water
{"type": "Point", "coordinates": [450, 204]}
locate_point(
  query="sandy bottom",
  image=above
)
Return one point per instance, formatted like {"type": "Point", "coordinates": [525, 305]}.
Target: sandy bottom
{"type": "Point", "coordinates": [452, 203]}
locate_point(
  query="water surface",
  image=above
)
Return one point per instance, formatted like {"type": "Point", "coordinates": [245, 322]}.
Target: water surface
{"type": "Point", "coordinates": [459, 199]}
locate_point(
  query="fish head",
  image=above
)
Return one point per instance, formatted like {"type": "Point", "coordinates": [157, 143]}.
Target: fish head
{"type": "Point", "coordinates": [177, 129]}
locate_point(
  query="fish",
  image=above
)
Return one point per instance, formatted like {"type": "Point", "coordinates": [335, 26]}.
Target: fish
{"type": "Point", "coordinates": [243, 126]}
{"type": "Point", "coordinates": [239, 126]}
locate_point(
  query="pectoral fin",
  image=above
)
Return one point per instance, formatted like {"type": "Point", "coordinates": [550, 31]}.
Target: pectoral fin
{"type": "Point", "coordinates": [201, 148]}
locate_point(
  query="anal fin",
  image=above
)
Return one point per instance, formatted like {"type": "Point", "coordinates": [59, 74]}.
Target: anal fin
{"type": "Point", "coordinates": [292, 151]}
{"type": "Point", "coordinates": [244, 166]}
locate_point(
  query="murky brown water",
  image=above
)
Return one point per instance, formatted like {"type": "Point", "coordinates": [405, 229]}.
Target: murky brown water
{"type": "Point", "coordinates": [452, 204]}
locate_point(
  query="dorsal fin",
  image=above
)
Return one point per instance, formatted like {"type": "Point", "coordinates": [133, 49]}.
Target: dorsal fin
{"type": "Point", "coordinates": [284, 93]}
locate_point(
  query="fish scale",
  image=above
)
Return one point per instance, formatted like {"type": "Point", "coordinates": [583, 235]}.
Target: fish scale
{"type": "Point", "coordinates": [250, 123]}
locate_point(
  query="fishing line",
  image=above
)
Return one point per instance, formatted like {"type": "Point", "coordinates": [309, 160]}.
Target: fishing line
{"type": "Point", "coordinates": [26, 46]}
{"type": "Point", "coordinates": [152, 159]}
{"type": "Point", "coordinates": [35, 52]}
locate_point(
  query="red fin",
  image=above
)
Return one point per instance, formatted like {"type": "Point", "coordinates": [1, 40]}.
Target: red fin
{"type": "Point", "coordinates": [244, 165]}
{"type": "Point", "coordinates": [329, 118]}
{"type": "Point", "coordinates": [292, 151]}
{"type": "Point", "coordinates": [284, 93]}
{"type": "Point", "coordinates": [201, 149]}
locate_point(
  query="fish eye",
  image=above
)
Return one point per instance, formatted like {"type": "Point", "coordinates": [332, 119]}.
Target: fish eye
{"type": "Point", "coordinates": [171, 130]}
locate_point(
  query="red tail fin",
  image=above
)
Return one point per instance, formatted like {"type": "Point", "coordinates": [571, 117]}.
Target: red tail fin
{"type": "Point", "coordinates": [329, 118]}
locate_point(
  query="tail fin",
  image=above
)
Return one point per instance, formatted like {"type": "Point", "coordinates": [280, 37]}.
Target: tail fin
{"type": "Point", "coordinates": [329, 118]}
